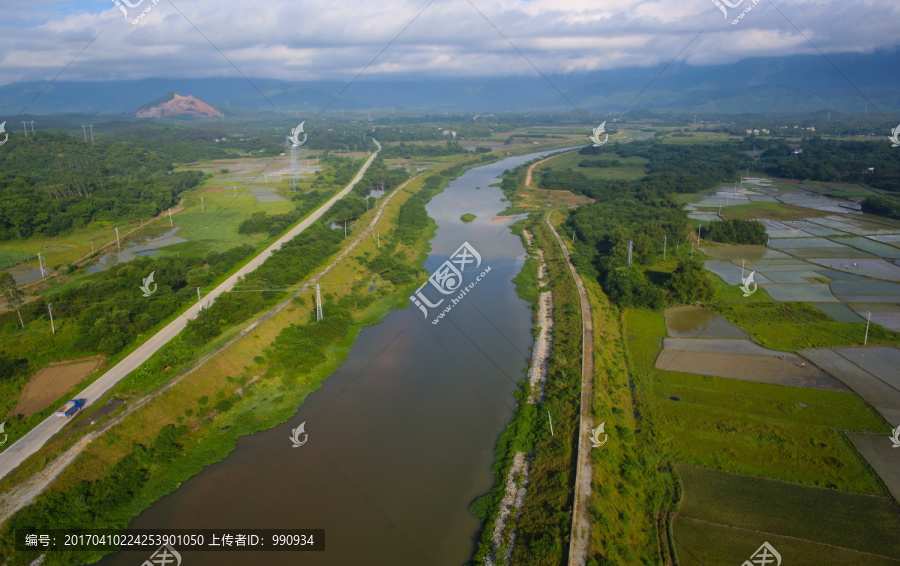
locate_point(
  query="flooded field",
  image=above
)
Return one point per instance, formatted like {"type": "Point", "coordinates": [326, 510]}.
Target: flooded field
{"type": "Point", "coordinates": [848, 257]}
{"type": "Point", "coordinates": [147, 242]}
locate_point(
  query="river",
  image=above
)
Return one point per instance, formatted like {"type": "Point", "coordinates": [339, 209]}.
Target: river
{"type": "Point", "coordinates": [401, 436]}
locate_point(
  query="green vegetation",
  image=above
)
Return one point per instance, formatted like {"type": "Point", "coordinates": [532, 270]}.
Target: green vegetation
{"type": "Point", "coordinates": [736, 232]}
{"type": "Point", "coordinates": [832, 160]}
{"type": "Point", "coordinates": [405, 150]}
{"type": "Point", "coordinates": [747, 427]}
{"type": "Point", "coordinates": [644, 212]}
{"type": "Point", "coordinates": [467, 217]}
{"type": "Point", "coordinates": [882, 206]}
{"type": "Point", "coordinates": [277, 223]}
{"type": "Point", "coordinates": [11, 294]}
{"type": "Point", "coordinates": [859, 522]}
{"type": "Point", "coordinates": [299, 358]}
{"type": "Point", "coordinates": [796, 326]}
{"type": "Point", "coordinates": [543, 529]}
{"type": "Point", "coordinates": [53, 183]}
{"type": "Point", "coordinates": [69, 509]}
{"type": "Point", "coordinates": [770, 210]}
{"type": "Point", "coordinates": [10, 258]}
{"type": "Point", "coordinates": [702, 543]}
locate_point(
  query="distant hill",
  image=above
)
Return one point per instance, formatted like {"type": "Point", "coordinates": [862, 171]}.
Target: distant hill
{"type": "Point", "coordinates": [176, 106]}
{"type": "Point", "coordinates": [845, 82]}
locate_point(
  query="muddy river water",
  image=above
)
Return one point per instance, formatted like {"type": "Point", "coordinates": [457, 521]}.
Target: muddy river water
{"type": "Point", "coordinates": [401, 436]}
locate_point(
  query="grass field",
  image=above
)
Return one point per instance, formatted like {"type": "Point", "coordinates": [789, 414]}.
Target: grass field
{"type": "Point", "coordinates": [794, 326]}
{"type": "Point", "coordinates": [858, 522]}
{"type": "Point", "coordinates": [770, 210]}
{"type": "Point", "coordinates": [745, 427]}
{"type": "Point", "coordinates": [629, 168]}
{"type": "Point", "coordinates": [699, 138]}
{"type": "Point", "coordinates": [11, 258]}
{"type": "Point", "coordinates": [701, 543]}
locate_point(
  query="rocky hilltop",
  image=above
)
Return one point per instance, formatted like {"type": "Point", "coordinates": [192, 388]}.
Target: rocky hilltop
{"type": "Point", "coordinates": [177, 106]}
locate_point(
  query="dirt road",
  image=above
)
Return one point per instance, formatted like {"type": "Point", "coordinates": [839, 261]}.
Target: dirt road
{"type": "Point", "coordinates": [581, 523]}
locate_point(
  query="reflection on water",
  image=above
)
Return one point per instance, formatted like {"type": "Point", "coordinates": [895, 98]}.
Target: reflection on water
{"type": "Point", "coordinates": [145, 244]}
{"type": "Point", "coordinates": [698, 322]}
{"type": "Point", "coordinates": [25, 273]}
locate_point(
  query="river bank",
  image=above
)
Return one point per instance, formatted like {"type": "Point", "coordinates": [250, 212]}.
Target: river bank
{"type": "Point", "coordinates": [221, 402]}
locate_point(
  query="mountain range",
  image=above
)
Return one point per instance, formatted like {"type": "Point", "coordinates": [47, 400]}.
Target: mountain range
{"type": "Point", "coordinates": [847, 82]}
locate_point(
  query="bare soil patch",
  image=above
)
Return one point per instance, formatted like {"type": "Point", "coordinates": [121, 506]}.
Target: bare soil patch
{"type": "Point", "coordinates": [48, 384]}
{"type": "Point", "coordinates": [761, 369]}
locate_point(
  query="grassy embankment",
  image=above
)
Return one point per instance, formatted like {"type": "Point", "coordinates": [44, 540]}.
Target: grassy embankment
{"type": "Point", "coordinates": [623, 530]}
{"type": "Point", "coordinates": [199, 420]}
{"type": "Point", "coordinates": [545, 520]}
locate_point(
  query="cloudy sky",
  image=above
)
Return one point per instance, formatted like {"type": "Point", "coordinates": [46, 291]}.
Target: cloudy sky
{"type": "Point", "coordinates": [336, 39]}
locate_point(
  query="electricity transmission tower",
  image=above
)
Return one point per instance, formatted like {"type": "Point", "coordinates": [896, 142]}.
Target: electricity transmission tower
{"type": "Point", "coordinates": [318, 302]}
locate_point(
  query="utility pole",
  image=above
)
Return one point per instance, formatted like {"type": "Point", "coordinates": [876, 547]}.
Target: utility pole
{"type": "Point", "coordinates": [202, 205]}
{"type": "Point", "coordinates": [118, 245]}
{"type": "Point", "coordinates": [52, 326]}
{"type": "Point", "coordinates": [84, 131]}
{"type": "Point", "coordinates": [698, 234]}
{"type": "Point", "coordinates": [235, 190]}
{"type": "Point", "coordinates": [345, 228]}
{"type": "Point", "coordinates": [41, 264]}
{"type": "Point", "coordinates": [665, 237]}
{"type": "Point", "coordinates": [25, 128]}
{"type": "Point", "coordinates": [573, 235]}
{"type": "Point", "coordinates": [868, 317]}
{"type": "Point", "coordinates": [378, 238]}
{"type": "Point", "coordinates": [170, 217]}
{"type": "Point", "coordinates": [551, 422]}
{"type": "Point", "coordinates": [198, 298]}
{"type": "Point", "coordinates": [92, 132]}
{"type": "Point", "coordinates": [318, 302]}
{"type": "Point", "coordinates": [630, 244]}
{"type": "Point", "coordinates": [742, 269]}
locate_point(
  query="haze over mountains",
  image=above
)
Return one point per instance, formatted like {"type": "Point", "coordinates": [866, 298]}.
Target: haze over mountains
{"type": "Point", "coordinates": [803, 83]}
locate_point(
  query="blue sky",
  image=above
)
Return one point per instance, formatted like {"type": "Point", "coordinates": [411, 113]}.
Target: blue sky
{"type": "Point", "coordinates": [334, 39]}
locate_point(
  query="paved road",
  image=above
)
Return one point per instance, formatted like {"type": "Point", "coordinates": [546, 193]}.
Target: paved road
{"type": "Point", "coordinates": [581, 521]}
{"type": "Point", "coordinates": [26, 492]}
{"type": "Point", "coordinates": [39, 435]}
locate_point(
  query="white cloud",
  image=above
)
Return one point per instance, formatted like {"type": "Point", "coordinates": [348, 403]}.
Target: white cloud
{"type": "Point", "coordinates": [334, 39]}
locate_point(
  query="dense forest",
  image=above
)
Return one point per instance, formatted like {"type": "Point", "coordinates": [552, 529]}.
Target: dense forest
{"type": "Point", "coordinates": [871, 163]}
{"type": "Point", "coordinates": [882, 206]}
{"type": "Point", "coordinates": [52, 183]}
{"type": "Point", "coordinates": [736, 232]}
{"type": "Point", "coordinates": [406, 150]}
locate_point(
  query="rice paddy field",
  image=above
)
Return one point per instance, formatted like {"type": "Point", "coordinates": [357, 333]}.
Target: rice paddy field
{"type": "Point", "coordinates": [761, 462]}
{"type": "Point", "coordinates": [770, 446]}
{"type": "Point", "coordinates": [724, 518]}
{"type": "Point", "coordinates": [787, 433]}
{"type": "Point", "coordinates": [815, 256]}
